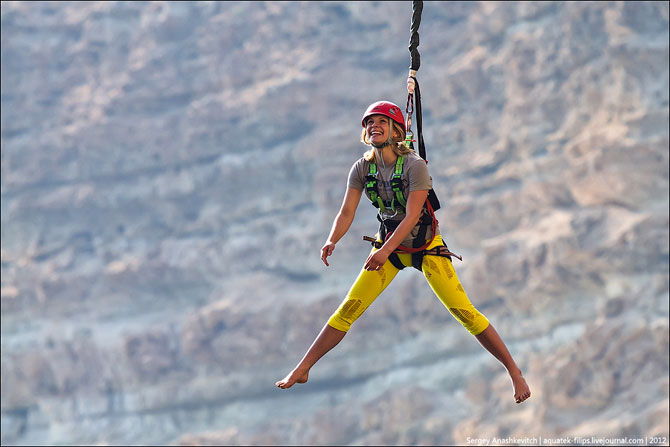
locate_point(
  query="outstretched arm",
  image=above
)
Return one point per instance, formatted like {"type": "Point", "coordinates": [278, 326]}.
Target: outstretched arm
{"type": "Point", "coordinates": [342, 222]}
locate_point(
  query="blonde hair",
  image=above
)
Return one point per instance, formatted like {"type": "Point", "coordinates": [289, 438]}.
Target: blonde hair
{"type": "Point", "coordinates": [397, 143]}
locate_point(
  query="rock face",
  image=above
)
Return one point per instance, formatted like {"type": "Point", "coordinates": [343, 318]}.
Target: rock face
{"type": "Point", "coordinates": [170, 171]}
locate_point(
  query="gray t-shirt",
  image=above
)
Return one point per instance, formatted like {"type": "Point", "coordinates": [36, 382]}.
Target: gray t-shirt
{"type": "Point", "coordinates": [415, 177]}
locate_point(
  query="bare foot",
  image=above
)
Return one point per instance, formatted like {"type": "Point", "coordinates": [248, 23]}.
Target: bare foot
{"type": "Point", "coordinates": [293, 377]}
{"type": "Point", "coordinates": [521, 389]}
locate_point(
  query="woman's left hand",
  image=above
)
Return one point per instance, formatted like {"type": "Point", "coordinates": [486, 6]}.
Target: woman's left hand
{"type": "Point", "coordinates": [376, 260]}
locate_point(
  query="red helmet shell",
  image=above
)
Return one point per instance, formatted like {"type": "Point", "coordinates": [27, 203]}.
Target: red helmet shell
{"type": "Point", "coordinates": [385, 108]}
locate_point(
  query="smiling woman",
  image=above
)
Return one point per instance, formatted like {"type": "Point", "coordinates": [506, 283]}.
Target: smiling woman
{"type": "Point", "coordinates": [396, 181]}
{"type": "Point", "coordinates": [377, 122]}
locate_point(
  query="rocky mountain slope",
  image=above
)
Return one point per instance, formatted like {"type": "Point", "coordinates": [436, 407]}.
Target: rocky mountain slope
{"type": "Point", "coordinates": [170, 171]}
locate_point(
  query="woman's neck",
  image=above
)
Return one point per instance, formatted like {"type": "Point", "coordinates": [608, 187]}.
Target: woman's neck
{"type": "Point", "coordinates": [389, 157]}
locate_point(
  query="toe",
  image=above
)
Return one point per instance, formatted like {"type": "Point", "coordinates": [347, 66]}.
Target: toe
{"type": "Point", "coordinates": [522, 397]}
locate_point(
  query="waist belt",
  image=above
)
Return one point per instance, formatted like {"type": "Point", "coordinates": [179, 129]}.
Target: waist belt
{"type": "Point", "coordinates": [388, 226]}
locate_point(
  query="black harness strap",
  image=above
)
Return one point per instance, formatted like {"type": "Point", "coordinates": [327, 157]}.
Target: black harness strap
{"type": "Point", "coordinates": [386, 227]}
{"type": "Point", "coordinates": [417, 258]}
{"type": "Point", "coordinates": [395, 260]}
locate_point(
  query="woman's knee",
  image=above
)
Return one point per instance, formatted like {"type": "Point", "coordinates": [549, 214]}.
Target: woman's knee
{"type": "Point", "coordinates": [471, 319]}
{"type": "Point", "coordinates": [348, 312]}
{"type": "Point", "coordinates": [442, 278]}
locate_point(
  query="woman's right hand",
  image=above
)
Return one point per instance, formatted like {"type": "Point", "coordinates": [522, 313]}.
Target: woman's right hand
{"type": "Point", "coordinates": [326, 251]}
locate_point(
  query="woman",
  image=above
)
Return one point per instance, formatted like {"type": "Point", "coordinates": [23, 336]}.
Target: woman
{"type": "Point", "coordinates": [390, 173]}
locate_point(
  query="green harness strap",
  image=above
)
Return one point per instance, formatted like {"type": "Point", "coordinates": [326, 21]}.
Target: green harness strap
{"type": "Point", "coordinates": [371, 187]}
{"type": "Point", "coordinates": [396, 186]}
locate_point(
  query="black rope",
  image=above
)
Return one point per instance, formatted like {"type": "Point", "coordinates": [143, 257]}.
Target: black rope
{"type": "Point", "coordinates": [415, 62]}
{"type": "Point", "coordinates": [417, 8]}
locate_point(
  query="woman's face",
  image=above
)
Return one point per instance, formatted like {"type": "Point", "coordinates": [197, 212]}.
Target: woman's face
{"type": "Point", "coordinates": [378, 128]}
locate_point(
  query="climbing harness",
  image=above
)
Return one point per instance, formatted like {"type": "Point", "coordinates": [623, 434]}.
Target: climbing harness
{"type": "Point", "coordinates": [398, 203]}
{"type": "Point", "coordinates": [440, 250]}
{"type": "Point", "coordinates": [396, 185]}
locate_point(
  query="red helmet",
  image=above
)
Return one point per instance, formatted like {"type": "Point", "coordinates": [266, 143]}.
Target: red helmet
{"type": "Point", "coordinates": [385, 108]}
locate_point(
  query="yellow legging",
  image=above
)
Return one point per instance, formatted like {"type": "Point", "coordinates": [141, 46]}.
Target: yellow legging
{"type": "Point", "coordinates": [440, 275]}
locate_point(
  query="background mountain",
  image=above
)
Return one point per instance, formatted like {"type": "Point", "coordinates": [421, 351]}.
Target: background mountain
{"type": "Point", "coordinates": [170, 171]}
